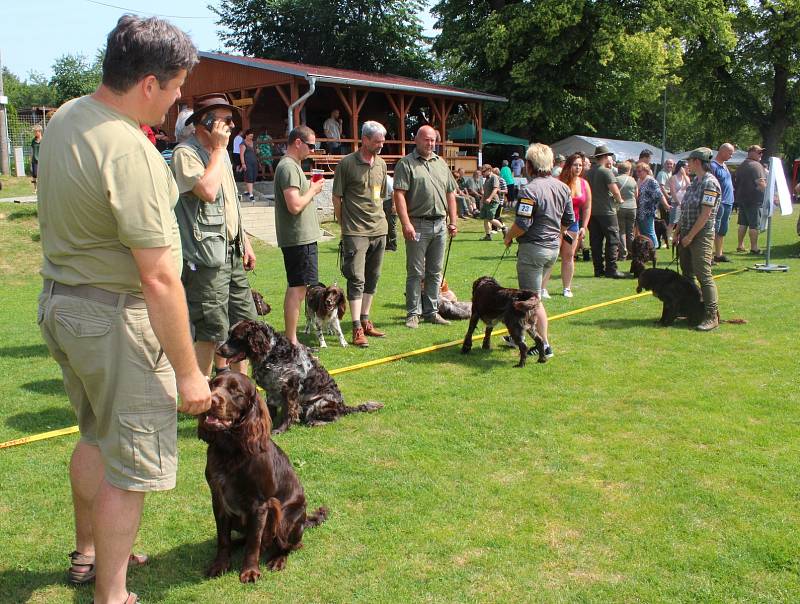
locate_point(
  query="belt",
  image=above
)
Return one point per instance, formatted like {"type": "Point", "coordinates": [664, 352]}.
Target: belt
{"type": "Point", "coordinates": [89, 292]}
{"type": "Point", "coordinates": [429, 217]}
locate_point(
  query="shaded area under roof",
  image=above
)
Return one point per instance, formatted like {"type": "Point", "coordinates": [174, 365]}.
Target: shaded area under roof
{"type": "Point", "coordinates": [621, 149]}
{"type": "Point", "coordinates": [334, 75]}
{"type": "Point", "coordinates": [489, 137]}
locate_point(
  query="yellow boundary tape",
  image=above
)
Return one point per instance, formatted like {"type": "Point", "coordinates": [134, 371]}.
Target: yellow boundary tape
{"type": "Point", "coordinates": [382, 361]}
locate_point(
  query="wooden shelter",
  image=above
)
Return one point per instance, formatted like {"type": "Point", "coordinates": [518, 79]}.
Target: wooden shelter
{"type": "Point", "coordinates": [267, 91]}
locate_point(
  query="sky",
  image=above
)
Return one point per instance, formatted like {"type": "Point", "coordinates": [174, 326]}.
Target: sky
{"type": "Point", "coordinates": [32, 37]}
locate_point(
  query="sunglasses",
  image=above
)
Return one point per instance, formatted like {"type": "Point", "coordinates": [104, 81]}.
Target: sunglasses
{"type": "Point", "coordinates": [309, 145]}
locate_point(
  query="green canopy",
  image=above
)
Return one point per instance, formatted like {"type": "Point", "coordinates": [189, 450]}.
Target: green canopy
{"type": "Point", "coordinates": [490, 137]}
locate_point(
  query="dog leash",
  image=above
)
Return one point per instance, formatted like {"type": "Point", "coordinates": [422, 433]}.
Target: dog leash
{"type": "Point", "coordinates": [447, 257]}
{"type": "Point", "coordinates": [505, 253]}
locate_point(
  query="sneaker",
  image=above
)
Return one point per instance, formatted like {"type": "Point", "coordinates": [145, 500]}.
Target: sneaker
{"type": "Point", "coordinates": [567, 292]}
{"type": "Point", "coordinates": [252, 197]}
{"type": "Point", "coordinates": [437, 319]}
{"type": "Point", "coordinates": [487, 237]}
{"type": "Point", "coordinates": [548, 352]}
{"type": "Point", "coordinates": [545, 295]}
{"type": "Point", "coordinates": [722, 258]}
{"type": "Point", "coordinates": [412, 322]}
{"type": "Point", "coordinates": [359, 339]}
{"type": "Point", "coordinates": [369, 330]}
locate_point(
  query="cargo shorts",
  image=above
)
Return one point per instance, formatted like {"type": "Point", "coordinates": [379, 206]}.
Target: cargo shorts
{"type": "Point", "coordinates": [120, 384]}
{"type": "Point", "coordinates": [362, 258]}
{"type": "Point", "coordinates": [218, 298]}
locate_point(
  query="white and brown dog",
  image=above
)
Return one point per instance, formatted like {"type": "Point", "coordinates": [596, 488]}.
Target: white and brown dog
{"type": "Point", "coordinates": [325, 307]}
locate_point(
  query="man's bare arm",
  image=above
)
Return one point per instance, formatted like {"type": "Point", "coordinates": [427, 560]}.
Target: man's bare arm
{"type": "Point", "coordinates": [169, 317]}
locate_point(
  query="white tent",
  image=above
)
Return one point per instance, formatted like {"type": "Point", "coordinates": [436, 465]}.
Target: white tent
{"type": "Point", "coordinates": [621, 149]}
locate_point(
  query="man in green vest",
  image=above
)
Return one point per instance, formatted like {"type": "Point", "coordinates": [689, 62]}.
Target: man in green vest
{"type": "Point", "coordinates": [216, 250]}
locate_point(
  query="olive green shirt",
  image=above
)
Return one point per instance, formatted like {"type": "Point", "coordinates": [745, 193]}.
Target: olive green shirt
{"type": "Point", "coordinates": [426, 183]}
{"type": "Point", "coordinates": [362, 188]}
{"type": "Point", "coordinates": [293, 229]}
{"type": "Point", "coordinates": [104, 190]}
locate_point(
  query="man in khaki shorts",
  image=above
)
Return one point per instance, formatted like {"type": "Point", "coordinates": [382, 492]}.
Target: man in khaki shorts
{"type": "Point", "coordinates": [359, 187]}
{"type": "Point", "coordinates": [112, 310]}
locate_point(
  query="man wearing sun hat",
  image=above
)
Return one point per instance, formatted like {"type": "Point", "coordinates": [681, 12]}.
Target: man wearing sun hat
{"type": "Point", "coordinates": [216, 250]}
{"type": "Point", "coordinates": [603, 225]}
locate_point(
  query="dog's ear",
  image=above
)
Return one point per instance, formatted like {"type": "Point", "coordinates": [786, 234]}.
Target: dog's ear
{"type": "Point", "coordinates": [527, 305]}
{"type": "Point", "coordinates": [342, 306]}
{"type": "Point", "coordinates": [256, 425]}
{"type": "Point", "coordinates": [257, 339]}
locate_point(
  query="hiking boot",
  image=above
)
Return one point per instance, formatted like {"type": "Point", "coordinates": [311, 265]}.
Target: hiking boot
{"type": "Point", "coordinates": [710, 322]}
{"type": "Point", "coordinates": [369, 330]}
{"type": "Point", "coordinates": [359, 339]}
{"type": "Point", "coordinates": [437, 319]}
{"type": "Point", "coordinates": [412, 322]}
{"type": "Point", "coordinates": [616, 275]}
{"type": "Point", "coordinates": [487, 237]}
{"type": "Point", "coordinates": [722, 258]}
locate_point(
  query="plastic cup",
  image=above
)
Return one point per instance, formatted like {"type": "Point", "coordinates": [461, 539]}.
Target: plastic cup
{"type": "Point", "coordinates": [317, 175]}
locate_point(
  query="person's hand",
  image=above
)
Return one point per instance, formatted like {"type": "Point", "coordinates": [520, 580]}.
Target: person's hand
{"type": "Point", "coordinates": [249, 257]}
{"type": "Point", "coordinates": [452, 229]}
{"type": "Point", "coordinates": [194, 393]}
{"type": "Point", "coordinates": [686, 241]}
{"type": "Point", "coordinates": [409, 233]}
{"type": "Point", "coordinates": [220, 133]}
{"type": "Point", "coordinates": [316, 187]}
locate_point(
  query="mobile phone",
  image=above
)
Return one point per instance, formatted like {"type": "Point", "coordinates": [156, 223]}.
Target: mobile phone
{"type": "Point", "coordinates": [208, 122]}
{"type": "Point", "coordinates": [568, 238]}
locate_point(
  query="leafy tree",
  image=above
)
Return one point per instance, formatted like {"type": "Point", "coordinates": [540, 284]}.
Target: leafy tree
{"type": "Point", "coordinates": [743, 61]}
{"type": "Point", "coordinates": [567, 66]}
{"type": "Point", "coordinates": [74, 76]}
{"type": "Point", "coordinates": [374, 35]}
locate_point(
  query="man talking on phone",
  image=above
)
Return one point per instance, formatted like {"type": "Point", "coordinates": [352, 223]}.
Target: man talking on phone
{"type": "Point", "coordinates": [216, 250]}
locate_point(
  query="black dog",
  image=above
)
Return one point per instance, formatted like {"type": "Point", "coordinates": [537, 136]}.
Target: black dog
{"type": "Point", "coordinates": [662, 231]}
{"type": "Point", "coordinates": [680, 295]}
{"type": "Point", "coordinates": [491, 303]}
{"type": "Point", "coordinates": [298, 388]}
{"type": "Point", "coordinates": [642, 252]}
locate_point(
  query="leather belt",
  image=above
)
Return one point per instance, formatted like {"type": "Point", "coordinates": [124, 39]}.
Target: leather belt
{"type": "Point", "coordinates": [96, 294]}
{"type": "Point", "coordinates": [429, 217]}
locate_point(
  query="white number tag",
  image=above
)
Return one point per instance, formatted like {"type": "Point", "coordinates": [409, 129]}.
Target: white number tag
{"type": "Point", "coordinates": [525, 208]}
{"type": "Point", "coordinates": [710, 197]}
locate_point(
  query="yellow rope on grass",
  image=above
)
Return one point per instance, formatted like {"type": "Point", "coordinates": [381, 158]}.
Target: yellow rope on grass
{"type": "Point", "coordinates": [384, 360]}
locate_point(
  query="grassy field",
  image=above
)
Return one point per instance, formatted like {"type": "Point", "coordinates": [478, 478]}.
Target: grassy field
{"type": "Point", "coordinates": [15, 187]}
{"type": "Point", "coordinates": [640, 464]}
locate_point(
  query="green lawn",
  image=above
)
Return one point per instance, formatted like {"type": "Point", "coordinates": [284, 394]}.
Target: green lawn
{"type": "Point", "coordinates": [15, 187]}
{"type": "Point", "coordinates": [640, 464]}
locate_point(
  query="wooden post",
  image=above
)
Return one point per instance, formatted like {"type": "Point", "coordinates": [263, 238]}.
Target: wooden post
{"type": "Point", "coordinates": [402, 118]}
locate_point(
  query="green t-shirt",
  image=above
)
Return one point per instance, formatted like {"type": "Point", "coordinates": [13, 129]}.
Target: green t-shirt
{"type": "Point", "coordinates": [104, 189]}
{"type": "Point", "coordinates": [293, 229]}
{"type": "Point", "coordinates": [603, 202]}
{"type": "Point", "coordinates": [426, 183]}
{"type": "Point", "coordinates": [627, 190]}
{"type": "Point", "coordinates": [362, 188]}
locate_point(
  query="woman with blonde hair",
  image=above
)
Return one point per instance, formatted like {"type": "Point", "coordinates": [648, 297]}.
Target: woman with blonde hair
{"type": "Point", "coordinates": [582, 209]}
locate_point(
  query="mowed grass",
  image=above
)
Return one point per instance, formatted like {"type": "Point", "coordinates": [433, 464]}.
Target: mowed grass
{"type": "Point", "coordinates": [640, 464]}
{"type": "Point", "coordinates": [13, 186]}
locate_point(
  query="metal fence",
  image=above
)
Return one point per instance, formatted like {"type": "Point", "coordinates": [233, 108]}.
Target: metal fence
{"type": "Point", "coordinates": [20, 133]}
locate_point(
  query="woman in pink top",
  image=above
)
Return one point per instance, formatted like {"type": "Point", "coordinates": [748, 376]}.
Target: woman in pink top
{"type": "Point", "coordinates": [582, 207]}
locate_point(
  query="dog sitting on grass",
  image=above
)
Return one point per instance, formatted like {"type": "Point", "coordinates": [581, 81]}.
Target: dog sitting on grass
{"type": "Point", "coordinates": [492, 303]}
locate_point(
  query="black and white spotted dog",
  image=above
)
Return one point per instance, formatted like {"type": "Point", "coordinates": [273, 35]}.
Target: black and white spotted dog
{"type": "Point", "coordinates": [299, 389]}
{"type": "Point", "coordinates": [325, 308]}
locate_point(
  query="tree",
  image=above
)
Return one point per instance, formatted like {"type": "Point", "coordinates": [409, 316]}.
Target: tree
{"type": "Point", "coordinates": [74, 76]}
{"type": "Point", "coordinates": [376, 35]}
{"type": "Point", "coordinates": [743, 60]}
{"type": "Point", "coordinates": [567, 66]}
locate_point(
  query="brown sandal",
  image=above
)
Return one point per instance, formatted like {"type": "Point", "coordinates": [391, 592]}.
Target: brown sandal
{"type": "Point", "coordinates": [78, 576]}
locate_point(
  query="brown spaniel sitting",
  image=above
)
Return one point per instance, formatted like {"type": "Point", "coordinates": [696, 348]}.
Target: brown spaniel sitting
{"type": "Point", "coordinates": [642, 252]}
{"type": "Point", "coordinates": [298, 388]}
{"type": "Point", "coordinates": [254, 489]}
{"type": "Point", "coordinates": [492, 303]}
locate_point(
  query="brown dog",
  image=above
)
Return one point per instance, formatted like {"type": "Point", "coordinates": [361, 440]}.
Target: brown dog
{"type": "Point", "coordinates": [491, 303]}
{"type": "Point", "coordinates": [254, 489]}
{"type": "Point", "coordinates": [642, 252]}
{"type": "Point", "coordinates": [325, 308]}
